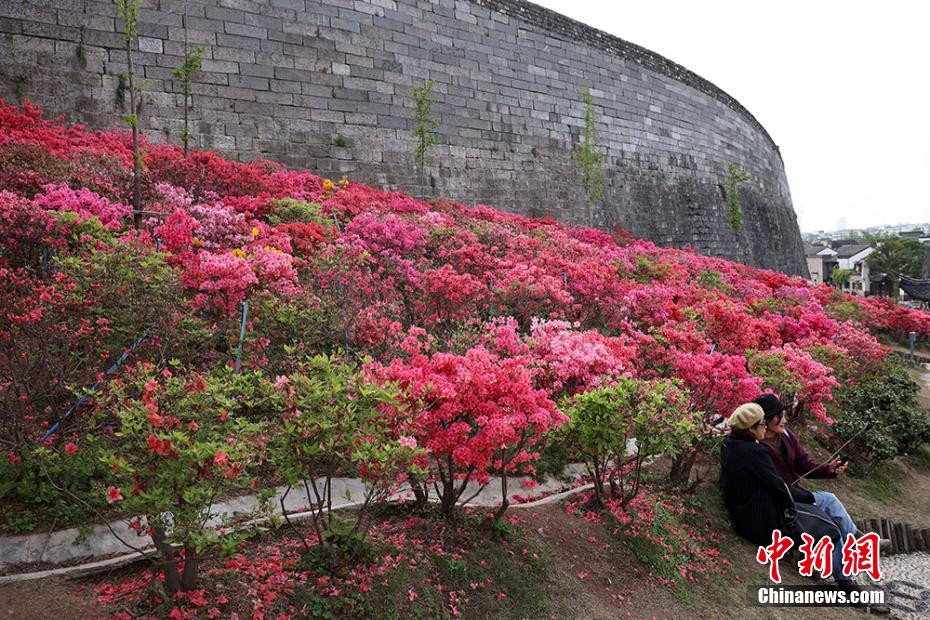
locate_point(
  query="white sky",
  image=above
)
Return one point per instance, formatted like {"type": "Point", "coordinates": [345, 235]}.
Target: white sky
{"type": "Point", "coordinates": [842, 87]}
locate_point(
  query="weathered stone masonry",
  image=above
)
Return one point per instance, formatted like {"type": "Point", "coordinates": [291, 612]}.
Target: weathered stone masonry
{"type": "Point", "coordinates": [285, 79]}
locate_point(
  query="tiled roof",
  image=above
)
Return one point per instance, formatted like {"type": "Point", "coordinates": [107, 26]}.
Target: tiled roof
{"type": "Point", "coordinates": [847, 251]}
{"type": "Point", "coordinates": [918, 289]}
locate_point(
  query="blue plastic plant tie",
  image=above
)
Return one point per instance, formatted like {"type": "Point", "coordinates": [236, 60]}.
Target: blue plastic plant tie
{"type": "Point", "coordinates": [245, 314]}
{"type": "Point", "coordinates": [119, 362]}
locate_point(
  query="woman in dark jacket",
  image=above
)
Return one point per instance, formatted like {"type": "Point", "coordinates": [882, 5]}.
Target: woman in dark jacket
{"type": "Point", "coordinates": [753, 491]}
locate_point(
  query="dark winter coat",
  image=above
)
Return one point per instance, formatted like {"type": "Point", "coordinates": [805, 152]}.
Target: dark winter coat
{"type": "Point", "coordinates": [753, 490]}
{"type": "Point", "coordinates": [792, 461]}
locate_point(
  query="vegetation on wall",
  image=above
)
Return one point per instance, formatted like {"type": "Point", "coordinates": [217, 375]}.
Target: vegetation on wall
{"type": "Point", "coordinates": [731, 192]}
{"type": "Point", "coordinates": [185, 73]}
{"type": "Point", "coordinates": [588, 157]}
{"type": "Point", "coordinates": [426, 123]}
{"type": "Point", "coordinates": [128, 11]}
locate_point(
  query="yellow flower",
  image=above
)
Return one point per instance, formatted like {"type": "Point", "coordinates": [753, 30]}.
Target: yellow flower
{"type": "Point", "coordinates": [254, 231]}
{"type": "Point", "coordinates": [238, 253]}
{"type": "Point", "coordinates": [328, 185]}
{"type": "Point", "coordinates": [196, 243]}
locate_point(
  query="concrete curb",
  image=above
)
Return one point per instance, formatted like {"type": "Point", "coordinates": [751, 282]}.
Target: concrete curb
{"type": "Point", "coordinates": [90, 568]}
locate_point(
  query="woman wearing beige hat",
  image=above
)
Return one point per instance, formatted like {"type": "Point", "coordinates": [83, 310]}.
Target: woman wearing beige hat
{"type": "Point", "coordinates": [753, 491]}
{"type": "Point", "coordinates": [757, 497]}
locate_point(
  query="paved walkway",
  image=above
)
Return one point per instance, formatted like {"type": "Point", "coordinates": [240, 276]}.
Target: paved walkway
{"type": "Point", "coordinates": [906, 582]}
{"type": "Point", "coordinates": [69, 545]}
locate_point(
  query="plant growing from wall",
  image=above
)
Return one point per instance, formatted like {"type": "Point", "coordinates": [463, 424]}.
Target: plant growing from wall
{"type": "Point", "coordinates": [731, 192]}
{"type": "Point", "coordinates": [588, 157]}
{"type": "Point", "coordinates": [426, 123]}
{"type": "Point", "coordinates": [19, 86]}
{"type": "Point", "coordinates": [81, 54]}
{"type": "Point", "coordinates": [128, 11]}
{"type": "Point", "coordinates": [193, 60]}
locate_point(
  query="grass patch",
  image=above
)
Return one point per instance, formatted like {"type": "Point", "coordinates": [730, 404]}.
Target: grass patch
{"type": "Point", "coordinates": [882, 482]}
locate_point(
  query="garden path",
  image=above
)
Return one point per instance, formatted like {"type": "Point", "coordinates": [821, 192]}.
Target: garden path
{"type": "Point", "coordinates": [65, 546]}
{"type": "Point", "coordinates": [906, 582]}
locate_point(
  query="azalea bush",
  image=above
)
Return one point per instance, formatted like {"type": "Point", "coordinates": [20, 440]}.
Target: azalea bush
{"type": "Point", "coordinates": [880, 417]}
{"type": "Point", "coordinates": [617, 428]}
{"type": "Point", "coordinates": [475, 414]}
{"type": "Point", "coordinates": [797, 379]}
{"type": "Point", "coordinates": [333, 422]}
{"type": "Point", "coordinates": [52, 487]}
{"type": "Point", "coordinates": [177, 442]}
{"type": "Point", "coordinates": [715, 384]}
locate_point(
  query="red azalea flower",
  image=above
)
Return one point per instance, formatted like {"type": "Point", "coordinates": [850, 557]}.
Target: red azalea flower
{"type": "Point", "coordinates": [114, 495]}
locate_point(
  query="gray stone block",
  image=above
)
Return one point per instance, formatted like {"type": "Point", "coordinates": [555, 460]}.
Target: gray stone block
{"type": "Point", "coordinates": [150, 45]}
{"type": "Point", "coordinates": [51, 31]}
{"type": "Point", "coordinates": [242, 30]}
{"type": "Point", "coordinates": [228, 40]}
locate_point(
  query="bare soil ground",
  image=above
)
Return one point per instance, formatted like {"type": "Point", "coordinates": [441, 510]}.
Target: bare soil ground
{"type": "Point", "coordinates": [45, 599]}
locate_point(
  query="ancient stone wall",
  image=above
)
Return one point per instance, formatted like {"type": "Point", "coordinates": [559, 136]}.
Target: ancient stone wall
{"type": "Point", "coordinates": [326, 85]}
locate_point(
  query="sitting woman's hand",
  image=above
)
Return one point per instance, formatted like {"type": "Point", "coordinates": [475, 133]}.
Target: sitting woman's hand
{"type": "Point", "coordinates": [837, 466]}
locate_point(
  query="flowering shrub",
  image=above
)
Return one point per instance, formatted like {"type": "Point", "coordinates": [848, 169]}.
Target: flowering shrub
{"type": "Point", "coordinates": [603, 422]}
{"type": "Point", "coordinates": [29, 232]}
{"type": "Point", "coordinates": [797, 379]}
{"type": "Point", "coordinates": [572, 361]}
{"type": "Point", "coordinates": [716, 384]}
{"type": "Point", "coordinates": [221, 279]}
{"type": "Point", "coordinates": [333, 422]}
{"type": "Point", "coordinates": [84, 202]}
{"type": "Point", "coordinates": [219, 227]}
{"type": "Point", "coordinates": [178, 442]}
{"type": "Point", "coordinates": [47, 344]}
{"type": "Point", "coordinates": [474, 414]}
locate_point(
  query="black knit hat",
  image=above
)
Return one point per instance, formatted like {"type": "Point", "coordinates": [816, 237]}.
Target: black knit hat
{"type": "Point", "coordinates": [770, 405]}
